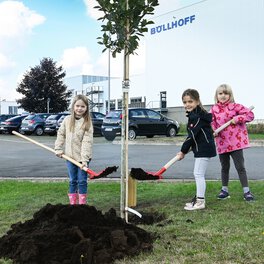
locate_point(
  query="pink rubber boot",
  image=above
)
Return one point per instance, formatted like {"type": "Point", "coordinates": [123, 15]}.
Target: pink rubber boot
{"type": "Point", "coordinates": [82, 198]}
{"type": "Point", "coordinates": [72, 198]}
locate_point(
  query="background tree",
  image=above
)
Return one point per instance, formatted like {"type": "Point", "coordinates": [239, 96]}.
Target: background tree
{"type": "Point", "coordinates": [43, 88]}
{"type": "Point", "coordinates": [124, 25]}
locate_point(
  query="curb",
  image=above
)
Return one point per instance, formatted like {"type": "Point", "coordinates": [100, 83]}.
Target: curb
{"type": "Point", "coordinates": [107, 180]}
{"type": "Point", "coordinates": [257, 143]}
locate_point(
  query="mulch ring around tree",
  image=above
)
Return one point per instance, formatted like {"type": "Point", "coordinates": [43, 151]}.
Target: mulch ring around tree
{"type": "Point", "coordinates": [65, 234]}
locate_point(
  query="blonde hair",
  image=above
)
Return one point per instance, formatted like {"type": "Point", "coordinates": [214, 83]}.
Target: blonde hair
{"type": "Point", "coordinates": [87, 118]}
{"type": "Point", "coordinates": [195, 96]}
{"type": "Point", "coordinates": [225, 88]}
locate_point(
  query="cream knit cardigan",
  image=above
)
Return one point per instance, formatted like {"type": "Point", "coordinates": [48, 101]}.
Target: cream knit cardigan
{"type": "Point", "coordinates": [77, 143]}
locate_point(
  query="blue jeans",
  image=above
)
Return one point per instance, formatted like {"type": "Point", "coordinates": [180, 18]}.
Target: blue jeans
{"type": "Point", "coordinates": [78, 179]}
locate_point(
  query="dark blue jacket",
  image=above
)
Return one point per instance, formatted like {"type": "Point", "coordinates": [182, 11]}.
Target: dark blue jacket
{"type": "Point", "coordinates": [200, 135]}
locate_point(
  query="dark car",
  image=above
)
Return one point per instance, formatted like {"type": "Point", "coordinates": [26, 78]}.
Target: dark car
{"type": "Point", "coordinates": [34, 123]}
{"type": "Point", "coordinates": [60, 121]}
{"type": "Point", "coordinates": [13, 123]}
{"type": "Point", "coordinates": [97, 120]}
{"type": "Point", "coordinates": [4, 117]}
{"type": "Point", "coordinates": [142, 122]}
{"type": "Point", "coordinates": [51, 123]}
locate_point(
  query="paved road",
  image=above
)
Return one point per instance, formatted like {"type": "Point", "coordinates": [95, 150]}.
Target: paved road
{"type": "Point", "coordinates": [19, 158]}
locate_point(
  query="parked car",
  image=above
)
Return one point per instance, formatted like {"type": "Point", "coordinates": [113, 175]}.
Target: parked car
{"type": "Point", "coordinates": [13, 123]}
{"type": "Point", "coordinates": [4, 117]}
{"type": "Point", "coordinates": [34, 123]}
{"type": "Point", "coordinates": [60, 121]}
{"type": "Point", "coordinates": [97, 120]}
{"type": "Point", "coordinates": [142, 122]}
{"type": "Point", "coordinates": [51, 123]}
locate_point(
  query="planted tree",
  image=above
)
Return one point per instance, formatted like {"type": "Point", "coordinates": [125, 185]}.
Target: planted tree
{"type": "Point", "coordinates": [43, 89]}
{"type": "Point", "coordinates": [124, 24]}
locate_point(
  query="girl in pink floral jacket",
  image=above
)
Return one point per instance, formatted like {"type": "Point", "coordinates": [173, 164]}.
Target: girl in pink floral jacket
{"type": "Point", "coordinates": [232, 140]}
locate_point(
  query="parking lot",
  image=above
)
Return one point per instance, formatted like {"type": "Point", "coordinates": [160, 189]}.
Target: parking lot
{"type": "Point", "coordinates": [25, 159]}
{"type": "Point", "coordinates": [22, 159]}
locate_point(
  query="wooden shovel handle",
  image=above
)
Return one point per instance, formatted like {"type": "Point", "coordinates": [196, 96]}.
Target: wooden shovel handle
{"type": "Point", "coordinates": [171, 162]}
{"type": "Point", "coordinates": [50, 149]}
{"type": "Point", "coordinates": [219, 129]}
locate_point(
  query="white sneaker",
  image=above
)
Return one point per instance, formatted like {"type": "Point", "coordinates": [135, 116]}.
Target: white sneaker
{"type": "Point", "coordinates": [196, 205]}
{"type": "Point", "coordinates": [192, 202]}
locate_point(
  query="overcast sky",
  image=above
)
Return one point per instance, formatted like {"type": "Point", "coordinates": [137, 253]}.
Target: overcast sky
{"type": "Point", "coordinates": [224, 44]}
{"type": "Point", "coordinates": [65, 31]}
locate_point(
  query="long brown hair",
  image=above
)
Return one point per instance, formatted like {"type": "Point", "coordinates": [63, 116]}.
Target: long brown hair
{"type": "Point", "coordinates": [87, 118]}
{"type": "Point", "coordinates": [195, 96]}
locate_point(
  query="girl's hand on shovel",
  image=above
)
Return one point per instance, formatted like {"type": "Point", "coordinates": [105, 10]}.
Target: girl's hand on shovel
{"type": "Point", "coordinates": [181, 155]}
{"type": "Point", "coordinates": [84, 164]}
{"type": "Point", "coordinates": [59, 154]}
{"type": "Point", "coordinates": [233, 121]}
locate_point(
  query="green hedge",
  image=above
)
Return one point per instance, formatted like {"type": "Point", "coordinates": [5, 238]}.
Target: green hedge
{"type": "Point", "coordinates": [252, 128]}
{"type": "Point", "coordinates": [255, 128]}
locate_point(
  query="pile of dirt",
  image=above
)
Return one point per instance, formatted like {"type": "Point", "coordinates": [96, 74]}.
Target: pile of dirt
{"type": "Point", "coordinates": [65, 234]}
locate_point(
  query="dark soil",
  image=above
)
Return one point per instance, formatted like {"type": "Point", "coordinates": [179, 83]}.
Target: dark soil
{"type": "Point", "coordinates": [66, 234]}
{"type": "Point", "coordinates": [105, 172]}
{"type": "Point", "coordinates": [147, 218]}
{"type": "Point", "coordinates": [141, 175]}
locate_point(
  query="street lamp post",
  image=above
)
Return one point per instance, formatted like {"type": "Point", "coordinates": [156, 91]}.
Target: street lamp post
{"type": "Point", "coordinates": [109, 55]}
{"type": "Point", "coordinates": [48, 102]}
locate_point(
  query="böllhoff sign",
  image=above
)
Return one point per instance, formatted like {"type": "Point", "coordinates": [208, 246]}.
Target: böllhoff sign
{"type": "Point", "coordinates": [172, 25]}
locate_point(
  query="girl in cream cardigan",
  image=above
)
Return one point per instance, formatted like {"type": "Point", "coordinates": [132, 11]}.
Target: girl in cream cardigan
{"type": "Point", "coordinates": [75, 139]}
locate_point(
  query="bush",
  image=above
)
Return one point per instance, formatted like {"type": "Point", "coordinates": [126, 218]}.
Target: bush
{"type": "Point", "coordinates": [255, 128]}
{"type": "Point", "coordinates": [252, 128]}
{"type": "Point", "coordinates": [183, 129]}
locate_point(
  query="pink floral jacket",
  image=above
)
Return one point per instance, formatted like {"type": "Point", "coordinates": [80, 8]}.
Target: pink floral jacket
{"type": "Point", "coordinates": [233, 137]}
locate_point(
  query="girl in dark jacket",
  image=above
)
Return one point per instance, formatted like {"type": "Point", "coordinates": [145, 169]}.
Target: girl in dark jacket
{"type": "Point", "coordinates": [201, 141]}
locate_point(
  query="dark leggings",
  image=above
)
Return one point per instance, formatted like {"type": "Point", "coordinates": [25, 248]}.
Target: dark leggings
{"type": "Point", "coordinates": [238, 160]}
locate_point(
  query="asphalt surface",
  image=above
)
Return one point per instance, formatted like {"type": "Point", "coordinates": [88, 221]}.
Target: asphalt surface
{"type": "Point", "coordinates": [21, 159]}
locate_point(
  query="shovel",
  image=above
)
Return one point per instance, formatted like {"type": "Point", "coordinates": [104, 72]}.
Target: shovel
{"type": "Point", "coordinates": [92, 174]}
{"type": "Point", "coordinates": [219, 129]}
{"type": "Point", "coordinates": [139, 174]}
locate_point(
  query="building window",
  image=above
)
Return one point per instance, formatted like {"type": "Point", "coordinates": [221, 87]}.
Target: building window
{"type": "Point", "coordinates": [112, 104]}
{"type": "Point", "coordinates": [119, 103]}
{"type": "Point", "coordinates": [12, 110]}
{"type": "Point", "coordinates": [136, 102]}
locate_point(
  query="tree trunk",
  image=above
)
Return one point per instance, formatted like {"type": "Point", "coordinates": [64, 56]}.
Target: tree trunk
{"type": "Point", "coordinates": [124, 134]}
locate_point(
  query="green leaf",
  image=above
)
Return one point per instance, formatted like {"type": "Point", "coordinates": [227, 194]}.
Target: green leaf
{"type": "Point", "coordinates": [118, 17]}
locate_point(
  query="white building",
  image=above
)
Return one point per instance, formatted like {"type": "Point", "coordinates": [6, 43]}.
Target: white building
{"type": "Point", "coordinates": [10, 107]}
{"type": "Point", "coordinates": [88, 85]}
{"type": "Point", "coordinates": [204, 45]}
{"type": "Point", "coordinates": [199, 46]}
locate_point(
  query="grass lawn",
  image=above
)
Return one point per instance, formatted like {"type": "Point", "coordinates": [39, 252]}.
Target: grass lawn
{"type": "Point", "coordinates": [229, 231]}
{"type": "Point", "coordinates": [256, 136]}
